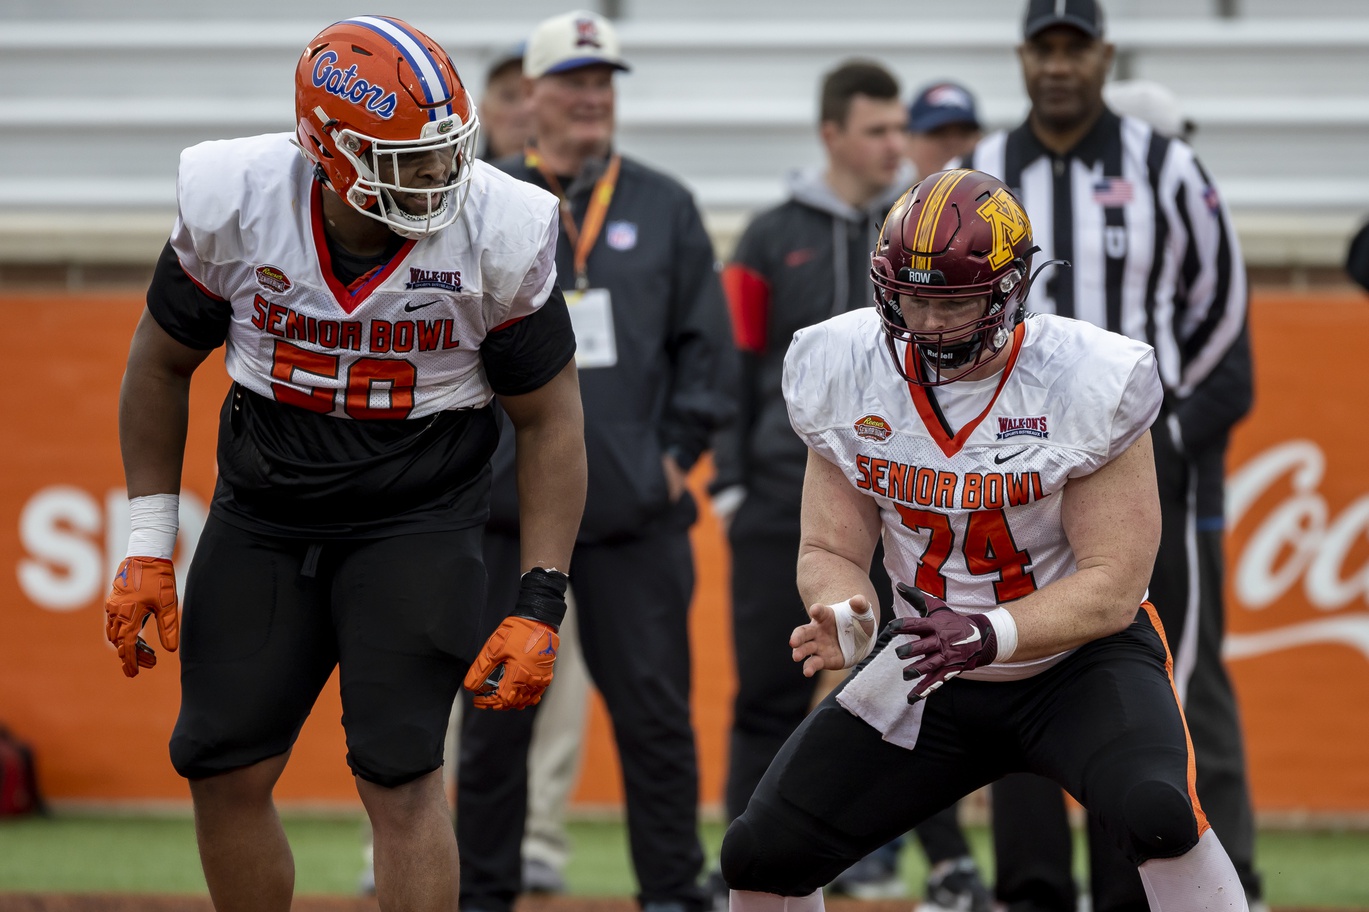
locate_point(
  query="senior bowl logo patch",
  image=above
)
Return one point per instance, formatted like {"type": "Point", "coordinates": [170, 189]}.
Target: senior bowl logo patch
{"type": "Point", "coordinates": [1022, 427]}
{"type": "Point", "coordinates": [272, 279]}
{"type": "Point", "coordinates": [873, 427]}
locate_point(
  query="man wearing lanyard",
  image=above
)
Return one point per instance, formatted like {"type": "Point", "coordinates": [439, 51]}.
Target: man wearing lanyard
{"type": "Point", "coordinates": [654, 352]}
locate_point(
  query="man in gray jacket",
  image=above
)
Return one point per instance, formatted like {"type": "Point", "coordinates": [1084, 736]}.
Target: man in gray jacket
{"type": "Point", "coordinates": [640, 280]}
{"type": "Point", "coordinates": [798, 264]}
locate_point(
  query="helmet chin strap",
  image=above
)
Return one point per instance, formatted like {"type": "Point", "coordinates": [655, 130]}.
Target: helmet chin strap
{"type": "Point", "coordinates": [1040, 269]}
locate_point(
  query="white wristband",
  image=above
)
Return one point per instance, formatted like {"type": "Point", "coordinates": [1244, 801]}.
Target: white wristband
{"type": "Point", "coordinates": [855, 643]}
{"type": "Point", "coordinates": [1005, 629]}
{"type": "Point", "coordinates": [153, 520]}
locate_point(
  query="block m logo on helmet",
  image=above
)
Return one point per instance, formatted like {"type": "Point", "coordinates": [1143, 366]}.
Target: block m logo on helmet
{"type": "Point", "coordinates": [1009, 224]}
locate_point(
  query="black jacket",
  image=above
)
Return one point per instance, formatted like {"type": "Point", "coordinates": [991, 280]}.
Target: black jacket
{"type": "Point", "coordinates": [796, 264]}
{"type": "Point", "coordinates": [666, 393]}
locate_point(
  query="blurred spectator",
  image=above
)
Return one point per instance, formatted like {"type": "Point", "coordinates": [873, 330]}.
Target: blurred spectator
{"type": "Point", "coordinates": [557, 740]}
{"type": "Point", "coordinates": [558, 734]}
{"type": "Point", "coordinates": [1357, 258]}
{"type": "Point", "coordinates": [1154, 256]}
{"type": "Point", "coordinates": [505, 121]}
{"type": "Point", "coordinates": [942, 125]}
{"type": "Point", "coordinates": [558, 737]}
{"type": "Point", "coordinates": [797, 264]}
{"type": "Point", "coordinates": [654, 359]}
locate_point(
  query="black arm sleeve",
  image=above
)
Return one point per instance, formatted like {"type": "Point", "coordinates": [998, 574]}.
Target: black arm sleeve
{"type": "Point", "coordinates": [189, 314]}
{"type": "Point", "coordinates": [523, 356]}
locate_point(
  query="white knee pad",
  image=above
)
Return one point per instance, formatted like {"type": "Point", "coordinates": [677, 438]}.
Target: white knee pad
{"type": "Point", "coordinates": [1203, 879]}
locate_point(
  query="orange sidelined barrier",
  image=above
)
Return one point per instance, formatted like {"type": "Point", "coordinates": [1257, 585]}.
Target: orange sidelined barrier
{"type": "Point", "coordinates": [1298, 555]}
{"type": "Point", "coordinates": [1298, 558]}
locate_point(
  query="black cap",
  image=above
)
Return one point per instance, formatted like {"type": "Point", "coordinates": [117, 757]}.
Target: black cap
{"type": "Point", "coordinates": [1084, 15]}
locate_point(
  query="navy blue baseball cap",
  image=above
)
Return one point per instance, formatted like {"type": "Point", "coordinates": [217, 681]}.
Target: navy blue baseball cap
{"type": "Point", "coordinates": [939, 104]}
{"type": "Point", "coordinates": [505, 58]}
{"type": "Point", "coordinates": [1084, 15]}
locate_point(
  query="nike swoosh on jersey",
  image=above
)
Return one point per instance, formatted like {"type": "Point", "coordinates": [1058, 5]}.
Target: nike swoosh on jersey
{"type": "Point", "coordinates": [999, 460]}
{"type": "Point", "coordinates": [410, 307]}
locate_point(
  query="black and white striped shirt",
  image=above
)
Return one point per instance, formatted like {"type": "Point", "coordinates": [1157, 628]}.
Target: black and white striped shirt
{"type": "Point", "coordinates": [1153, 251]}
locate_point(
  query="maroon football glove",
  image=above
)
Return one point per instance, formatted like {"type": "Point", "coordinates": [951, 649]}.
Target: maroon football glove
{"type": "Point", "coordinates": [946, 644]}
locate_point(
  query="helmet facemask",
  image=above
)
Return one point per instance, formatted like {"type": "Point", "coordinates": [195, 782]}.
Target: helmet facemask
{"type": "Point", "coordinates": [379, 165]}
{"type": "Point", "coordinates": [943, 356]}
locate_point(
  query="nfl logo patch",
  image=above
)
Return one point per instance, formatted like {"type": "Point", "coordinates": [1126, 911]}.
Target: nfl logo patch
{"type": "Point", "coordinates": [621, 235]}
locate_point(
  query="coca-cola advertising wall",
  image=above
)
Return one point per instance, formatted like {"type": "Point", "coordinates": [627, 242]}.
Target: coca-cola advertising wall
{"type": "Point", "coordinates": [1298, 569]}
{"type": "Point", "coordinates": [1298, 555]}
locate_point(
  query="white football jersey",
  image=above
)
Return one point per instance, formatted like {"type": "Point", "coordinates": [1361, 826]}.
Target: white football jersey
{"type": "Point", "coordinates": [971, 518]}
{"type": "Point", "coordinates": [404, 342]}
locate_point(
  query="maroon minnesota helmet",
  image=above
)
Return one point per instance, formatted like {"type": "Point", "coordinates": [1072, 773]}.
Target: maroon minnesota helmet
{"type": "Point", "coordinates": [957, 234]}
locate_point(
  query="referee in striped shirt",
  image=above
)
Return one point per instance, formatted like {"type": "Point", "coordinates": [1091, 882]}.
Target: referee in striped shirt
{"type": "Point", "coordinates": [1153, 256]}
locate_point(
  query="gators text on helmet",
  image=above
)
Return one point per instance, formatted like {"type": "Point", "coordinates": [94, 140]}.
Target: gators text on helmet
{"type": "Point", "coordinates": [377, 102]}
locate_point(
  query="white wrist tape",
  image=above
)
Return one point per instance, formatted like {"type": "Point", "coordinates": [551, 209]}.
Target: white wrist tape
{"type": "Point", "coordinates": [153, 520]}
{"type": "Point", "coordinates": [1005, 629]}
{"type": "Point", "coordinates": [855, 643]}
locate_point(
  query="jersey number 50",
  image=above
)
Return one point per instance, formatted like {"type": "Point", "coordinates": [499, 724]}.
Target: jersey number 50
{"type": "Point", "coordinates": [366, 377]}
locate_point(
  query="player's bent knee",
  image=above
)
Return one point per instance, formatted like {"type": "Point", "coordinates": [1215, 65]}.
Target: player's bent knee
{"type": "Point", "coordinates": [737, 854]}
{"type": "Point", "coordinates": [389, 772]}
{"type": "Point", "coordinates": [764, 861]}
{"type": "Point", "coordinates": [1160, 821]}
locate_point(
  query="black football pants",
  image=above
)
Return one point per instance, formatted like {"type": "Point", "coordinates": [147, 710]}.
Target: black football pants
{"type": "Point", "coordinates": [632, 600]}
{"type": "Point", "coordinates": [773, 696]}
{"type": "Point", "coordinates": [1103, 723]}
{"type": "Point", "coordinates": [1031, 835]}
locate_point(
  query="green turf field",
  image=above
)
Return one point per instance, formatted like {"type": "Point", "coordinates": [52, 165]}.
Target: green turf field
{"type": "Point", "coordinates": [80, 853]}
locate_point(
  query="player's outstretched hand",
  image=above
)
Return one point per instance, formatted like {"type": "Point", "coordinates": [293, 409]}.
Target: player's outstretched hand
{"type": "Point", "coordinates": [144, 587]}
{"type": "Point", "coordinates": [817, 644]}
{"type": "Point", "coordinates": [515, 666]}
{"type": "Point", "coordinates": [945, 644]}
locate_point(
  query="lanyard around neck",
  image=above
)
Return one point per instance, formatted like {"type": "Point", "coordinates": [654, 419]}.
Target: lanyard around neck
{"type": "Point", "coordinates": [585, 235]}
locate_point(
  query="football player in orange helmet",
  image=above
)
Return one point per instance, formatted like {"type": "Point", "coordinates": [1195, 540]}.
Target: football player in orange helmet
{"type": "Point", "coordinates": [382, 113]}
{"type": "Point", "coordinates": [373, 298]}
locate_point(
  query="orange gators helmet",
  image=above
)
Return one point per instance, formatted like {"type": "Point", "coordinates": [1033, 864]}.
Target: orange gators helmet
{"type": "Point", "coordinates": [957, 234]}
{"type": "Point", "coordinates": [379, 105]}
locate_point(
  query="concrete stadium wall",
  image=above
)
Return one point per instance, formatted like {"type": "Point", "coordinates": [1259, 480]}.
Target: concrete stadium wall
{"type": "Point", "coordinates": [722, 94]}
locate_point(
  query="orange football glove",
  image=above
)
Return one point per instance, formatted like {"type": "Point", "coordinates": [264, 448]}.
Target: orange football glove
{"type": "Point", "coordinates": [144, 587]}
{"type": "Point", "coordinates": [515, 666]}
